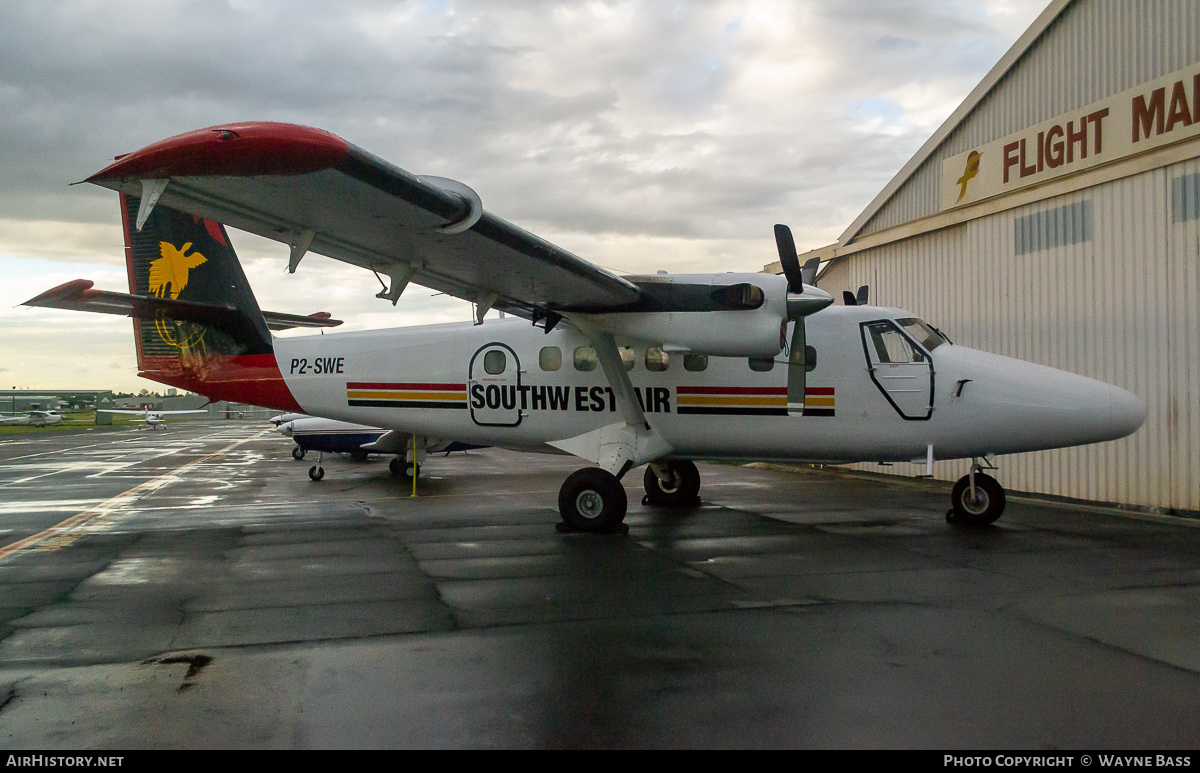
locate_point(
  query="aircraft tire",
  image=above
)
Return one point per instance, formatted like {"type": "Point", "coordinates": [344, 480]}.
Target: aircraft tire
{"type": "Point", "coordinates": [592, 500]}
{"type": "Point", "coordinates": [316, 473]}
{"type": "Point", "coordinates": [297, 453]}
{"type": "Point", "coordinates": [987, 507]}
{"type": "Point", "coordinates": [687, 485]}
{"type": "Point", "coordinates": [396, 466]}
{"type": "Point", "coordinates": [359, 455]}
{"type": "Point", "coordinates": [411, 471]}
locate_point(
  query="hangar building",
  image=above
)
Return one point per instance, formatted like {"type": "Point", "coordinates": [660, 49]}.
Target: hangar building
{"type": "Point", "coordinates": [1055, 218]}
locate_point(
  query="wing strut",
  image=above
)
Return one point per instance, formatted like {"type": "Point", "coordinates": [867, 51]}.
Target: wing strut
{"type": "Point", "coordinates": [623, 445]}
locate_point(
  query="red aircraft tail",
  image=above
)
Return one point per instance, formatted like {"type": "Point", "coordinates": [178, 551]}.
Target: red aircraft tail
{"type": "Point", "coordinates": [196, 323]}
{"type": "Point", "coordinates": [202, 330]}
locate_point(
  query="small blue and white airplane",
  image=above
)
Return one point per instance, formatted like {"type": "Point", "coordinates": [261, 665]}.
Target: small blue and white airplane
{"type": "Point", "coordinates": [655, 371]}
{"type": "Point", "coordinates": [330, 436]}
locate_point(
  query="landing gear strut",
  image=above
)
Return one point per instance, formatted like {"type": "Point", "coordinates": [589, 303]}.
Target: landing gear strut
{"type": "Point", "coordinates": [592, 500]}
{"type": "Point", "coordinates": [675, 483]}
{"type": "Point", "coordinates": [977, 499]}
{"type": "Point", "coordinates": [316, 472]}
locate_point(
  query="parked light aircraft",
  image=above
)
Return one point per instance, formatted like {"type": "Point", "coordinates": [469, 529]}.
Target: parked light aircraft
{"type": "Point", "coordinates": [626, 371]}
{"type": "Point", "coordinates": [33, 418]}
{"type": "Point", "coordinates": [331, 436]}
{"type": "Point", "coordinates": [153, 419]}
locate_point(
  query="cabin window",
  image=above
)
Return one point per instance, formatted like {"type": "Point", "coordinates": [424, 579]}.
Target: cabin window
{"type": "Point", "coordinates": [550, 358]}
{"type": "Point", "coordinates": [656, 359]}
{"type": "Point", "coordinates": [695, 362]}
{"type": "Point", "coordinates": [627, 356]}
{"type": "Point", "coordinates": [494, 362]}
{"type": "Point", "coordinates": [761, 364]}
{"type": "Point", "coordinates": [586, 359]}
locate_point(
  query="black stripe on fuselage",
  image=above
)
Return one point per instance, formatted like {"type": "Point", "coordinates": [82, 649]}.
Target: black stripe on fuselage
{"type": "Point", "coordinates": [730, 411]}
{"type": "Point", "coordinates": [405, 404]}
{"type": "Point", "coordinates": [723, 411]}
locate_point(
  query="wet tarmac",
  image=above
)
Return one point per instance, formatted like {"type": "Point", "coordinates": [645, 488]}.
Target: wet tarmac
{"type": "Point", "coordinates": [192, 588]}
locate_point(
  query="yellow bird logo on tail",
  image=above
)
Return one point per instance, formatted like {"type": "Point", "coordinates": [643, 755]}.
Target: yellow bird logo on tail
{"type": "Point", "coordinates": [170, 272]}
{"type": "Point", "coordinates": [969, 173]}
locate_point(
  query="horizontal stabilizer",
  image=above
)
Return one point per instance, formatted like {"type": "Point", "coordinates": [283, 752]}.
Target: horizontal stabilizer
{"type": "Point", "coordinates": [78, 295]}
{"type": "Point", "coordinates": [279, 321]}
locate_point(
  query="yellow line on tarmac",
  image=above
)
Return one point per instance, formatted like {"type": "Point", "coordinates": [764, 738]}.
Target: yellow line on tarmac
{"type": "Point", "coordinates": [58, 532]}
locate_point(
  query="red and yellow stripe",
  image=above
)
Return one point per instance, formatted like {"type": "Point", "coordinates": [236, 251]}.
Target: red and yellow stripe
{"type": "Point", "coordinates": [374, 394]}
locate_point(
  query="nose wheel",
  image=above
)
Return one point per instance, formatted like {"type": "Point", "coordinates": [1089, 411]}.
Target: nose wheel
{"type": "Point", "coordinates": [976, 500]}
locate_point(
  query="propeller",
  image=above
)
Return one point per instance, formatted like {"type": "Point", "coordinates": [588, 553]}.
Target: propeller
{"type": "Point", "coordinates": [789, 259]}
{"type": "Point", "coordinates": [803, 299]}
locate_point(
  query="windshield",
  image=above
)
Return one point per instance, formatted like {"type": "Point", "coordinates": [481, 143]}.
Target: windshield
{"type": "Point", "coordinates": [924, 334]}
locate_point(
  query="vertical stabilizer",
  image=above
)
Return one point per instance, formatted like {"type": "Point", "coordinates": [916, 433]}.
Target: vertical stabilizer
{"type": "Point", "coordinates": [181, 257]}
{"type": "Point", "coordinates": [186, 258]}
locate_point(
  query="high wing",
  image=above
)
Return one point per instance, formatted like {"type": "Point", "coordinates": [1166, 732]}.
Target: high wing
{"type": "Point", "coordinates": [316, 192]}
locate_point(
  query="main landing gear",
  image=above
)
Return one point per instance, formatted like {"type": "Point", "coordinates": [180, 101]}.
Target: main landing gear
{"type": "Point", "coordinates": [977, 499]}
{"type": "Point", "coordinates": [401, 468]}
{"type": "Point", "coordinates": [675, 483]}
{"type": "Point", "coordinates": [593, 499]}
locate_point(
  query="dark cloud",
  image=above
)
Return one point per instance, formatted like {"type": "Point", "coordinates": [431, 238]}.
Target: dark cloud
{"type": "Point", "coordinates": [685, 119]}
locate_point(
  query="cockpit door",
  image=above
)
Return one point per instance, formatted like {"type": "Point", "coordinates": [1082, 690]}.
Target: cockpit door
{"type": "Point", "coordinates": [494, 386]}
{"type": "Point", "coordinates": [902, 370]}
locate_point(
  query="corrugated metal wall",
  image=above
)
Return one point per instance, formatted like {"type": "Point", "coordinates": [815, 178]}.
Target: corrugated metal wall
{"type": "Point", "coordinates": [1096, 48]}
{"type": "Point", "coordinates": [1121, 307]}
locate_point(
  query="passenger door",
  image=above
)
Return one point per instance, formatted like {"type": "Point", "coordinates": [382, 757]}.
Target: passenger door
{"type": "Point", "coordinates": [493, 386]}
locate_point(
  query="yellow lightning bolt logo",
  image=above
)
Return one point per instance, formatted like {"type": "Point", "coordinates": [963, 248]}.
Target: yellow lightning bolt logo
{"type": "Point", "coordinates": [969, 173]}
{"type": "Point", "coordinates": [168, 277]}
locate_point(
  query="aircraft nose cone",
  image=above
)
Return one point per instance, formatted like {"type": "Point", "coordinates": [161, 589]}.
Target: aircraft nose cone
{"type": "Point", "coordinates": [1126, 412]}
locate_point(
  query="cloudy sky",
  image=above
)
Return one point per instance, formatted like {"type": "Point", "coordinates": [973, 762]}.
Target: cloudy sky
{"type": "Point", "coordinates": [639, 135]}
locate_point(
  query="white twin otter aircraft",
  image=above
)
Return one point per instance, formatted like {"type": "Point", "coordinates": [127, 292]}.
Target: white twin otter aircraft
{"type": "Point", "coordinates": [623, 372]}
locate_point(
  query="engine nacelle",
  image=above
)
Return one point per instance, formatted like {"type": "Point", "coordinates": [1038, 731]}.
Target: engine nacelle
{"type": "Point", "coordinates": [723, 315]}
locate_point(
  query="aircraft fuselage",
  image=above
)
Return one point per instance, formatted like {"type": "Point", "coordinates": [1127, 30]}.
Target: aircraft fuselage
{"type": "Point", "coordinates": [873, 392]}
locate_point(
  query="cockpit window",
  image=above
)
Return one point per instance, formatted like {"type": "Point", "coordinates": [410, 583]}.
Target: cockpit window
{"type": "Point", "coordinates": [891, 346]}
{"type": "Point", "coordinates": [926, 335]}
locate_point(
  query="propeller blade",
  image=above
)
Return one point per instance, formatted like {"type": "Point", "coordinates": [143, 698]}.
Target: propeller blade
{"type": "Point", "coordinates": [788, 259]}
{"type": "Point", "coordinates": [809, 272]}
{"type": "Point", "coordinates": [848, 298]}
{"type": "Point", "coordinates": [861, 298]}
{"type": "Point", "coordinates": [796, 370]}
